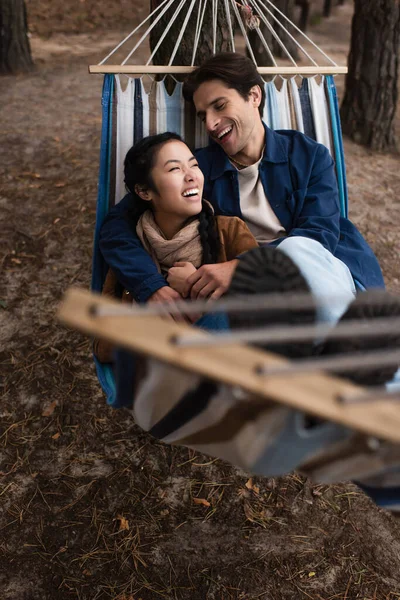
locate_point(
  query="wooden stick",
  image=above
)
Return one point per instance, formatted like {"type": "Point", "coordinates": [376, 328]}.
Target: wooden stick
{"type": "Point", "coordinates": [164, 70]}
{"type": "Point", "coordinates": [317, 394]}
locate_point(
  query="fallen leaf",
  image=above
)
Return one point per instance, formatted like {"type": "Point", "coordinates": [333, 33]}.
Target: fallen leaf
{"type": "Point", "coordinates": [123, 523]}
{"type": "Point", "coordinates": [250, 486]}
{"type": "Point", "coordinates": [56, 220]}
{"type": "Point", "coordinates": [16, 261]}
{"type": "Point", "coordinates": [30, 174]}
{"type": "Point", "coordinates": [55, 436]}
{"type": "Point", "coordinates": [202, 501]}
{"type": "Point", "coordinates": [48, 411]}
{"type": "Point", "coordinates": [311, 574]}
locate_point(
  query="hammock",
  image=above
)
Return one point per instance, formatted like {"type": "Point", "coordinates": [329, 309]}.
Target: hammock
{"type": "Point", "coordinates": [130, 111]}
{"type": "Point", "coordinates": [301, 97]}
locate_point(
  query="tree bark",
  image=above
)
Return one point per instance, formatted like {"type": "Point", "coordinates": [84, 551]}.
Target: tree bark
{"type": "Point", "coordinates": [369, 104]}
{"type": "Point", "coordinates": [15, 52]}
{"type": "Point", "coordinates": [185, 50]}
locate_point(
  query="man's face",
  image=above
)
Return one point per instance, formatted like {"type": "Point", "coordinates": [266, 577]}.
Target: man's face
{"type": "Point", "coordinates": [230, 120]}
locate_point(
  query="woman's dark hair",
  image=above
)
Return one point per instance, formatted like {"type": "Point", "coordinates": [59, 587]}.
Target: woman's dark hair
{"type": "Point", "coordinates": [139, 161]}
{"type": "Point", "coordinates": [235, 70]}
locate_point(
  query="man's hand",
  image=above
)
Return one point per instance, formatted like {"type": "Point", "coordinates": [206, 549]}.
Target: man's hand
{"type": "Point", "coordinates": [211, 281]}
{"type": "Point", "coordinates": [167, 295]}
{"type": "Point", "coordinates": [177, 276]}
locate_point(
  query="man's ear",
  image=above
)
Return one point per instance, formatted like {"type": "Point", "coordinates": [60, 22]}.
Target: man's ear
{"type": "Point", "coordinates": [255, 95]}
{"type": "Point", "coordinates": [143, 192]}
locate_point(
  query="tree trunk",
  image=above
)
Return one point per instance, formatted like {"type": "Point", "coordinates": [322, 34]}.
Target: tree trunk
{"type": "Point", "coordinates": [304, 13]}
{"type": "Point", "coordinates": [261, 55]}
{"type": "Point", "coordinates": [185, 49]}
{"type": "Point", "coordinates": [369, 104]}
{"type": "Point", "coordinates": [15, 52]}
{"type": "Point", "coordinates": [327, 8]}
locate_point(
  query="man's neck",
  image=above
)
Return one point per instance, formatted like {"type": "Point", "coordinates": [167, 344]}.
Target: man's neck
{"type": "Point", "coordinates": [254, 149]}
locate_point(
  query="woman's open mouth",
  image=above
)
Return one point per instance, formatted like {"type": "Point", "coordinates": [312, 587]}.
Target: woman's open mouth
{"type": "Point", "coordinates": [191, 193]}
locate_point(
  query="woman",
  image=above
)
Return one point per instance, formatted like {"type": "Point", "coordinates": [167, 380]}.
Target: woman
{"type": "Point", "coordinates": [175, 224]}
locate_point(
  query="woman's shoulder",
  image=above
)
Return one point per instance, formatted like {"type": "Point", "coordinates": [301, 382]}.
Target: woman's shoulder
{"type": "Point", "coordinates": [230, 224]}
{"type": "Point", "coordinates": [235, 237]}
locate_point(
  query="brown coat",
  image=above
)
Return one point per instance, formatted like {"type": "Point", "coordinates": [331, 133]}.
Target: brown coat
{"type": "Point", "coordinates": [235, 238]}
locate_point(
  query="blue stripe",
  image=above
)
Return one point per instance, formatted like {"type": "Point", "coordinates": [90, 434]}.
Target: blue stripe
{"type": "Point", "coordinates": [338, 144]}
{"type": "Point", "coordinates": [138, 113]}
{"type": "Point", "coordinates": [305, 102]}
{"type": "Point", "coordinates": [99, 267]}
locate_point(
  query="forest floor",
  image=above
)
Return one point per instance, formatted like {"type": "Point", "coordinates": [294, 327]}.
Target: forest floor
{"type": "Point", "coordinates": [91, 507]}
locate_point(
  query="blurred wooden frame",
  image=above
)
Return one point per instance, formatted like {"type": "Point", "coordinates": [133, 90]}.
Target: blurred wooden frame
{"type": "Point", "coordinates": [236, 365]}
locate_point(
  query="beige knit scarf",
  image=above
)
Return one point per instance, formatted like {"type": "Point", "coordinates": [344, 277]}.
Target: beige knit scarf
{"type": "Point", "coordinates": [184, 246]}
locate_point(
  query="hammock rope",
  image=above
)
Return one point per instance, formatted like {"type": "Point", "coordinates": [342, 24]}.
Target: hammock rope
{"type": "Point", "coordinates": [160, 41]}
{"type": "Point", "coordinates": [302, 33]}
{"type": "Point", "coordinates": [114, 50]}
{"type": "Point", "coordinates": [178, 41]}
{"type": "Point", "coordinates": [250, 16]}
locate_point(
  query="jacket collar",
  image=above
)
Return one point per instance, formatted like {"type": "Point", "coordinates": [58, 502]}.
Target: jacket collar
{"type": "Point", "coordinates": [275, 152]}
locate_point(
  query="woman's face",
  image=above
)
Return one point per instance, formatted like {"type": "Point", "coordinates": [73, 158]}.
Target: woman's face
{"type": "Point", "coordinates": [178, 182]}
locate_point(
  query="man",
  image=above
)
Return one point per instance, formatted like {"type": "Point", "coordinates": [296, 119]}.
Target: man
{"type": "Point", "coordinates": [282, 184]}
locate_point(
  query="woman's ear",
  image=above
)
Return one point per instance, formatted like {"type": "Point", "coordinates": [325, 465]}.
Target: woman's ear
{"type": "Point", "coordinates": [143, 192]}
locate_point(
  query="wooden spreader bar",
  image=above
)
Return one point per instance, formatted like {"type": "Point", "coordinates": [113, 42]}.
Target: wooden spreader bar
{"type": "Point", "coordinates": [181, 70]}
{"type": "Point", "coordinates": [235, 365]}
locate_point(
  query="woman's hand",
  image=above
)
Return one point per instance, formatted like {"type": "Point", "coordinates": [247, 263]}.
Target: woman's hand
{"type": "Point", "coordinates": [211, 281]}
{"type": "Point", "coordinates": [178, 275]}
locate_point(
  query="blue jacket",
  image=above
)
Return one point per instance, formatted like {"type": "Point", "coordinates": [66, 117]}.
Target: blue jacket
{"type": "Point", "coordinates": [298, 176]}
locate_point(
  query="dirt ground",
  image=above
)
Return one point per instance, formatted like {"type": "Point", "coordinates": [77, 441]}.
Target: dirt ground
{"type": "Point", "coordinates": [90, 506]}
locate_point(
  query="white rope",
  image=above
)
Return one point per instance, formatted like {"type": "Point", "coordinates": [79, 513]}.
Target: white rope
{"type": "Point", "coordinates": [196, 34]}
{"type": "Point", "coordinates": [372, 395]}
{"type": "Point", "coordinates": [160, 41]}
{"type": "Point", "coordinates": [302, 33]}
{"type": "Point", "coordinates": [255, 3]}
{"type": "Point", "coordinates": [342, 363]}
{"type": "Point", "coordinates": [132, 33]}
{"type": "Point", "coordinates": [288, 32]}
{"type": "Point", "coordinates": [295, 333]}
{"type": "Point", "coordinates": [239, 304]}
{"type": "Point", "coordinates": [265, 44]}
{"type": "Point", "coordinates": [198, 38]}
{"type": "Point", "coordinates": [243, 29]}
{"type": "Point", "coordinates": [228, 18]}
{"type": "Point", "coordinates": [148, 30]}
{"type": "Point", "coordinates": [275, 35]}
{"type": "Point", "coordinates": [183, 28]}
{"type": "Point", "coordinates": [214, 24]}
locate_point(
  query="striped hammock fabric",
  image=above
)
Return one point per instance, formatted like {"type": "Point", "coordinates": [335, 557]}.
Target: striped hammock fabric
{"type": "Point", "coordinates": [130, 113]}
{"type": "Point", "coordinates": [134, 113]}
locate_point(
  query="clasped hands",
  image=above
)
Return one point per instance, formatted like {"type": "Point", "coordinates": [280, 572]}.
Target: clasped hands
{"type": "Point", "coordinates": [185, 281]}
{"type": "Point", "coordinates": [209, 281]}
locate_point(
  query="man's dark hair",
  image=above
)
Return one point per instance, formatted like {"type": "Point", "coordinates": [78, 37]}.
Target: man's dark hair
{"type": "Point", "coordinates": [235, 70]}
